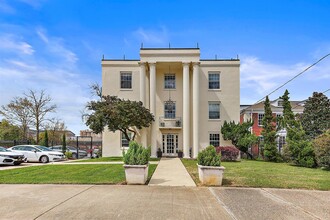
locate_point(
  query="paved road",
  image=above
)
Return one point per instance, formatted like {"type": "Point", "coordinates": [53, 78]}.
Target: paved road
{"type": "Point", "coordinates": [159, 202]}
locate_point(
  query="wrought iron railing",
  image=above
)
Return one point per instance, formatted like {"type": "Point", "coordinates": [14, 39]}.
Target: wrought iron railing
{"type": "Point", "coordinates": [170, 122]}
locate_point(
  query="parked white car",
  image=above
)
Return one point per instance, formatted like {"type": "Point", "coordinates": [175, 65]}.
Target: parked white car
{"type": "Point", "coordinates": [37, 153]}
{"type": "Point", "coordinates": [73, 150]}
{"type": "Point", "coordinates": [8, 157]}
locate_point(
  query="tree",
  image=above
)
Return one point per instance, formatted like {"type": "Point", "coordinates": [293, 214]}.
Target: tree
{"type": "Point", "coordinates": [55, 128]}
{"type": "Point", "coordinates": [17, 112]}
{"type": "Point", "coordinates": [240, 135]}
{"type": "Point", "coordinates": [44, 140]}
{"type": "Point", "coordinates": [63, 143]}
{"type": "Point", "coordinates": [321, 146]}
{"type": "Point", "coordinates": [8, 131]}
{"type": "Point", "coordinates": [39, 108]}
{"type": "Point", "coordinates": [269, 134]}
{"type": "Point", "coordinates": [316, 116]}
{"type": "Point", "coordinates": [117, 114]}
{"type": "Point", "coordinates": [288, 119]}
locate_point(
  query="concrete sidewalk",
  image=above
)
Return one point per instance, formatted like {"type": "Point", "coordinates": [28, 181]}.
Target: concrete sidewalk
{"type": "Point", "coordinates": [37, 201]}
{"type": "Point", "coordinates": [171, 172]}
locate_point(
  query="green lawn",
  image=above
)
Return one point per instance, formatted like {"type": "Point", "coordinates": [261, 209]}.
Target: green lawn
{"type": "Point", "coordinates": [69, 174]}
{"type": "Point", "coordinates": [108, 159]}
{"type": "Point", "coordinates": [266, 174]}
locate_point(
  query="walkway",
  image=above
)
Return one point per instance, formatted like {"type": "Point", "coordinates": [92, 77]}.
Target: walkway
{"type": "Point", "coordinates": [171, 172]}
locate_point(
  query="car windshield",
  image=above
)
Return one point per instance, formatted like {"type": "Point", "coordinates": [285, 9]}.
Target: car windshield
{"type": "Point", "coordinates": [2, 149]}
{"type": "Point", "coordinates": [43, 148]}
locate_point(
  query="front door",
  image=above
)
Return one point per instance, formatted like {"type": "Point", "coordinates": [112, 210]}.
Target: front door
{"type": "Point", "coordinates": [170, 144]}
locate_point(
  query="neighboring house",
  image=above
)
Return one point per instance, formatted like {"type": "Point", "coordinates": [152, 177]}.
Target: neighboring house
{"type": "Point", "coordinates": [256, 112]}
{"type": "Point", "coordinates": [189, 97]}
{"type": "Point", "coordinates": [68, 134]}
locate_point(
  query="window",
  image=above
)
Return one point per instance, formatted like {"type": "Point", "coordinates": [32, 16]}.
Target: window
{"type": "Point", "coordinates": [260, 117]}
{"type": "Point", "coordinates": [169, 81]}
{"type": "Point", "coordinates": [215, 140]}
{"type": "Point", "coordinates": [169, 109]}
{"type": "Point", "coordinates": [214, 80]}
{"type": "Point", "coordinates": [126, 80]}
{"type": "Point", "coordinates": [124, 141]}
{"type": "Point", "coordinates": [280, 103]}
{"type": "Point", "coordinates": [214, 110]}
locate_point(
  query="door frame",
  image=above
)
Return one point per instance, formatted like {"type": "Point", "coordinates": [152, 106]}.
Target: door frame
{"type": "Point", "coordinates": [165, 144]}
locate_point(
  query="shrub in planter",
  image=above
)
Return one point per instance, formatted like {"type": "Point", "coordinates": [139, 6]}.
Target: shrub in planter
{"type": "Point", "coordinates": [159, 153]}
{"type": "Point", "coordinates": [209, 169]}
{"type": "Point", "coordinates": [228, 153]}
{"type": "Point", "coordinates": [180, 154]}
{"type": "Point", "coordinates": [136, 162]}
{"type": "Point", "coordinates": [321, 146]}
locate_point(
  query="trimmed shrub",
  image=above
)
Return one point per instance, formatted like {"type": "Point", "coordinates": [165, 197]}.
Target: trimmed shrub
{"type": "Point", "coordinates": [228, 153]}
{"type": "Point", "coordinates": [321, 146]}
{"type": "Point", "coordinates": [136, 154]}
{"type": "Point", "coordinates": [68, 154]}
{"type": "Point", "coordinates": [209, 157]}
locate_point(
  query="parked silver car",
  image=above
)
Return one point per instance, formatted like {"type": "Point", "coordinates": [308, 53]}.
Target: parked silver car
{"type": "Point", "coordinates": [8, 157]}
{"type": "Point", "coordinates": [73, 150]}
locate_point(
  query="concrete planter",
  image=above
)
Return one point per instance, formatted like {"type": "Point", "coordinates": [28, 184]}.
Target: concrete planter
{"type": "Point", "coordinates": [210, 175]}
{"type": "Point", "coordinates": [136, 174]}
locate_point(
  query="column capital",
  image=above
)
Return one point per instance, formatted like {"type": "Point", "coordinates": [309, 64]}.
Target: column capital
{"type": "Point", "coordinates": [186, 63]}
{"type": "Point", "coordinates": [196, 64]}
{"type": "Point", "coordinates": [142, 63]}
{"type": "Point", "coordinates": [152, 63]}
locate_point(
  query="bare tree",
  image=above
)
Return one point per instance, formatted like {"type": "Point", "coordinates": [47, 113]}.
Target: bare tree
{"type": "Point", "coordinates": [17, 112]}
{"type": "Point", "coordinates": [56, 128]}
{"type": "Point", "coordinates": [40, 106]}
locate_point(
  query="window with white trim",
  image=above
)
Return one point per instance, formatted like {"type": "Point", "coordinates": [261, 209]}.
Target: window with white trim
{"type": "Point", "coordinates": [169, 80]}
{"type": "Point", "coordinates": [125, 80]}
{"type": "Point", "coordinates": [169, 109]}
{"type": "Point", "coordinates": [214, 110]}
{"type": "Point", "coordinates": [214, 80]}
{"type": "Point", "coordinates": [215, 139]}
{"type": "Point", "coordinates": [260, 117]}
{"type": "Point", "coordinates": [124, 141]}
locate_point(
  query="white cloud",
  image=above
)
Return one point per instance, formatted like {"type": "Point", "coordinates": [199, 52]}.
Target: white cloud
{"type": "Point", "coordinates": [9, 42]}
{"type": "Point", "coordinates": [152, 36]}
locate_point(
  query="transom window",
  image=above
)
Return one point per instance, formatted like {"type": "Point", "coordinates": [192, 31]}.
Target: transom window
{"type": "Point", "coordinates": [214, 110]}
{"type": "Point", "coordinates": [125, 80]}
{"type": "Point", "coordinates": [260, 117]}
{"type": "Point", "coordinates": [214, 80]}
{"type": "Point", "coordinates": [124, 141]}
{"type": "Point", "coordinates": [215, 139]}
{"type": "Point", "coordinates": [169, 109]}
{"type": "Point", "coordinates": [169, 81]}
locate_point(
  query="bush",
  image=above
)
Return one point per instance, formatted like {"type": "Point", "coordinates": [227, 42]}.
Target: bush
{"type": "Point", "coordinates": [228, 153]}
{"type": "Point", "coordinates": [136, 154]}
{"type": "Point", "coordinates": [209, 157]}
{"type": "Point", "coordinates": [321, 146]}
{"type": "Point", "coordinates": [68, 154]}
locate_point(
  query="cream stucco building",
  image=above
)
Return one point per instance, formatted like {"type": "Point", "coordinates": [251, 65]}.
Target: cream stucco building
{"type": "Point", "coordinates": [189, 97]}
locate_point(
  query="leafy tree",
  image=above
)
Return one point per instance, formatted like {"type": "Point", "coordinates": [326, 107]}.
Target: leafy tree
{"type": "Point", "coordinates": [316, 116]}
{"type": "Point", "coordinates": [240, 135]}
{"type": "Point", "coordinates": [8, 131]}
{"type": "Point", "coordinates": [63, 143]}
{"type": "Point", "coordinates": [321, 146]}
{"type": "Point", "coordinates": [269, 134]}
{"type": "Point", "coordinates": [17, 112]}
{"type": "Point", "coordinates": [117, 114]}
{"type": "Point", "coordinates": [39, 108]}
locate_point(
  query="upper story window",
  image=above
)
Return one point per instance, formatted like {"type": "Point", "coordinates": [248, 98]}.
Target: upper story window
{"type": "Point", "coordinates": [214, 80]}
{"type": "Point", "coordinates": [125, 80]}
{"type": "Point", "coordinates": [169, 81]}
{"type": "Point", "coordinates": [260, 117]}
{"type": "Point", "coordinates": [169, 110]}
{"type": "Point", "coordinates": [280, 103]}
{"type": "Point", "coordinates": [214, 110]}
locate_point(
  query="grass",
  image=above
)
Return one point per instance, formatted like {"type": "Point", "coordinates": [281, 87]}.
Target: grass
{"type": "Point", "coordinates": [108, 159]}
{"type": "Point", "coordinates": [68, 174]}
{"type": "Point", "coordinates": [266, 174]}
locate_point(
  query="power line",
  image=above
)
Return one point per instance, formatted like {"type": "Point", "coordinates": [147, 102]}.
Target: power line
{"type": "Point", "coordinates": [295, 77]}
{"type": "Point", "coordinates": [307, 99]}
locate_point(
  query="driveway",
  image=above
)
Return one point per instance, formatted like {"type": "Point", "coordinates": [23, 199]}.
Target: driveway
{"type": "Point", "coordinates": [159, 202]}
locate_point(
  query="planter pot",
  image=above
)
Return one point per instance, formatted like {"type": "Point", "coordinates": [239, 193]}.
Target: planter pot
{"type": "Point", "coordinates": [159, 154]}
{"type": "Point", "coordinates": [180, 154]}
{"type": "Point", "coordinates": [136, 174]}
{"type": "Point", "coordinates": [210, 175]}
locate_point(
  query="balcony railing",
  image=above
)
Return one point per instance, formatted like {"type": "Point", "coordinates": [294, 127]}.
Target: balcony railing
{"type": "Point", "coordinates": [170, 122]}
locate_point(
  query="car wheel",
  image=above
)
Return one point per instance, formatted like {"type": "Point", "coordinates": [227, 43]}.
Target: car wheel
{"type": "Point", "coordinates": [44, 159]}
{"type": "Point", "coordinates": [74, 156]}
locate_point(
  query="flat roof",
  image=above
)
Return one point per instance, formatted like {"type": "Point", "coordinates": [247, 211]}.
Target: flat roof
{"type": "Point", "coordinates": [170, 48]}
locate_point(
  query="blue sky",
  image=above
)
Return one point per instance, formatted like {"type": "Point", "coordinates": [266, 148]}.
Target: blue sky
{"type": "Point", "coordinates": [57, 45]}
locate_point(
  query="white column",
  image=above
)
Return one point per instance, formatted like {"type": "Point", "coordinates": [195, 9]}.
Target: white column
{"type": "Point", "coordinates": [143, 132]}
{"type": "Point", "coordinates": [186, 107]}
{"type": "Point", "coordinates": [153, 108]}
{"type": "Point", "coordinates": [195, 109]}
